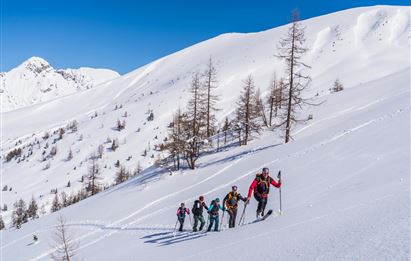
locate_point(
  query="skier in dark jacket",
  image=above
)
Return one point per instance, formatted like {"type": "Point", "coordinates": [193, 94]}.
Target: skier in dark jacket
{"type": "Point", "coordinates": [197, 211]}
{"type": "Point", "coordinates": [261, 188]}
{"type": "Point", "coordinates": [213, 210]}
{"type": "Point", "coordinates": [230, 203]}
{"type": "Point", "coordinates": [181, 215]}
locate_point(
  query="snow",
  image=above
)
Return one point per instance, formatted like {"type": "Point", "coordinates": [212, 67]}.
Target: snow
{"type": "Point", "coordinates": [346, 174]}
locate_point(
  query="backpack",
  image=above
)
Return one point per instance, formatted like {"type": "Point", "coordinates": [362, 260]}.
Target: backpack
{"type": "Point", "coordinates": [263, 186]}
{"type": "Point", "coordinates": [214, 209]}
{"type": "Point", "coordinates": [196, 208]}
{"type": "Point", "coordinates": [232, 200]}
{"type": "Point", "coordinates": [182, 212]}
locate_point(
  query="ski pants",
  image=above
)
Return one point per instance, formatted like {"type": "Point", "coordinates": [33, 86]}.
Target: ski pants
{"type": "Point", "coordinates": [233, 214]}
{"type": "Point", "coordinates": [262, 202]}
{"type": "Point", "coordinates": [181, 220]}
{"type": "Point", "coordinates": [213, 219]}
{"type": "Point", "coordinates": [196, 219]}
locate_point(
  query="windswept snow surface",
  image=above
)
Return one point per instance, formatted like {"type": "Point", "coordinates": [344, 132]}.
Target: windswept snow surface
{"type": "Point", "coordinates": [346, 174]}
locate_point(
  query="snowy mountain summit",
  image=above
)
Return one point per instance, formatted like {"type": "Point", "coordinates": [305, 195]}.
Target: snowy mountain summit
{"type": "Point", "coordinates": [35, 81]}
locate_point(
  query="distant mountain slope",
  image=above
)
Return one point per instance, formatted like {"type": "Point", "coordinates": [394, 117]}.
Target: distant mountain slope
{"type": "Point", "coordinates": [35, 81]}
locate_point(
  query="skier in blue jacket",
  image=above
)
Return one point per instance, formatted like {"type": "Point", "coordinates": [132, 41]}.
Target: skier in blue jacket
{"type": "Point", "coordinates": [213, 212]}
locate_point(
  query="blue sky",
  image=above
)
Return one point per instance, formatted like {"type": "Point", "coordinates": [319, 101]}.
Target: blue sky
{"type": "Point", "coordinates": [123, 35]}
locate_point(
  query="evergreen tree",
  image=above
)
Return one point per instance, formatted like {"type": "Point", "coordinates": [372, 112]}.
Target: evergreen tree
{"type": "Point", "coordinates": [338, 86]}
{"type": "Point", "coordinates": [19, 214]}
{"type": "Point", "coordinates": [65, 202]}
{"type": "Point", "coordinates": [32, 209]}
{"type": "Point", "coordinates": [100, 151]}
{"type": "Point", "coordinates": [2, 226]}
{"type": "Point", "coordinates": [114, 145]}
{"type": "Point", "coordinates": [70, 155]}
{"type": "Point", "coordinates": [55, 205]}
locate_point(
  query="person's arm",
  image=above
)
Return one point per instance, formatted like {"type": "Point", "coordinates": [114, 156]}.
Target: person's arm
{"type": "Point", "coordinates": [204, 205]}
{"type": "Point", "coordinates": [188, 211]}
{"type": "Point", "coordinates": [252, 186]}
{"type": "Point", "coordinates": [241, 197]}
{"type": "Point", "coordinates": [275, 184]}
{"type": "Point", "coordinates": [210, 208]}
{"type": "Point", "coordinates": [178, 211]}
{"type": "Point", "coordinates": [222, 208]}
{"type": "Point", "coordinates": [224, 200]}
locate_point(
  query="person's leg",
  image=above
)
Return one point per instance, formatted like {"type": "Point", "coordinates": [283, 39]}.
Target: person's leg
{"type": "Point", "coordinates": [217, 222]}
{"type": "Point", "coordinates": [231, 220]}
{"type": "Point", "coordinates": [234, 216]}
{"type": "Point", "coordinates": [181, 224]}
{"type": "Point", "coordinates": [195, 223]}
{"type": "Point", "coordinates": [263, 203]}
{"type": "Point", "coordinates": [260, 205]}
{"type": "Point", "coordinates": [202, 222]}
{"type": "Point", "coordinates": [211, 223]}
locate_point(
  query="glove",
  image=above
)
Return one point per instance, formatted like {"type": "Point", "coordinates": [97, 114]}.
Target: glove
{"type": "Point", "coordinates": [247, 201]}
{"type": "Point", "coordinates": [224, 209]}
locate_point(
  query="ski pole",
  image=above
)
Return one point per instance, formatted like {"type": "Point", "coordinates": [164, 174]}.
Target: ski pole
{"type": "Point", "coordinates": [280, 211]}
{"type": "Point", "coordinates": [175, 227]}
{"type": "Point", "coordinates": [191, 223]}
{"type": "Point", "coordinates": [242, 215]}
{"type": "Point", "coordinates": [221, 221]}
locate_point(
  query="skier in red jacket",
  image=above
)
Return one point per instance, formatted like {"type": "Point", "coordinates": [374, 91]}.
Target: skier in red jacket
{"type": "Point", "coordinates": [261, 188]}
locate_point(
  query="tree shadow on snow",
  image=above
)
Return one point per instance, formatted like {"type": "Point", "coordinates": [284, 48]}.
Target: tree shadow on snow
{"type": "Point", "coordinates": [236, 156]}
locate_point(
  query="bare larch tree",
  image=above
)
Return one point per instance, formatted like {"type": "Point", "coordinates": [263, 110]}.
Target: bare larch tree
{"type": "Point", "coordinates": [64, 244]}
{"type": "Point", "coordinates": [247, 113]}
{"type": "Point", "coordinates": [93, 175]}
{"type": "Point", "coordinates": [210, 83]}
{"type": "Point", "coordinates": [291, 50]}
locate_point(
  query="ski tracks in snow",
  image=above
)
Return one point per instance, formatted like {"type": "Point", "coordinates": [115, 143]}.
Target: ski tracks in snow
{"type": "Point", "coordinates": [296, 154]}
{"type": "Point", "coordinates": [303, 222]}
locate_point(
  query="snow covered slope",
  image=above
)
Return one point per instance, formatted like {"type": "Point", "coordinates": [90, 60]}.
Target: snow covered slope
{"type": "Point", "coordinates": [345, 194]}
{"type": "Point", "coordinates": [35, 81]}
{"type": "Point", "coordinates": [346, 191]}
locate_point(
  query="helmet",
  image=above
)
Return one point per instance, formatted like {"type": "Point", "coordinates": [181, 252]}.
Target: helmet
{"type": "Point", "coordinates": [234, 188]}
{"type": "Point", "coordinates": [217, 200]}
{"type": "Point", "coordinates": [201, 198]}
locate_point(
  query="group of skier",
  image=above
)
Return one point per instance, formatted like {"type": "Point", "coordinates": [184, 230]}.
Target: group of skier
{"type": "Point", "coordinates": [260, 187]}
